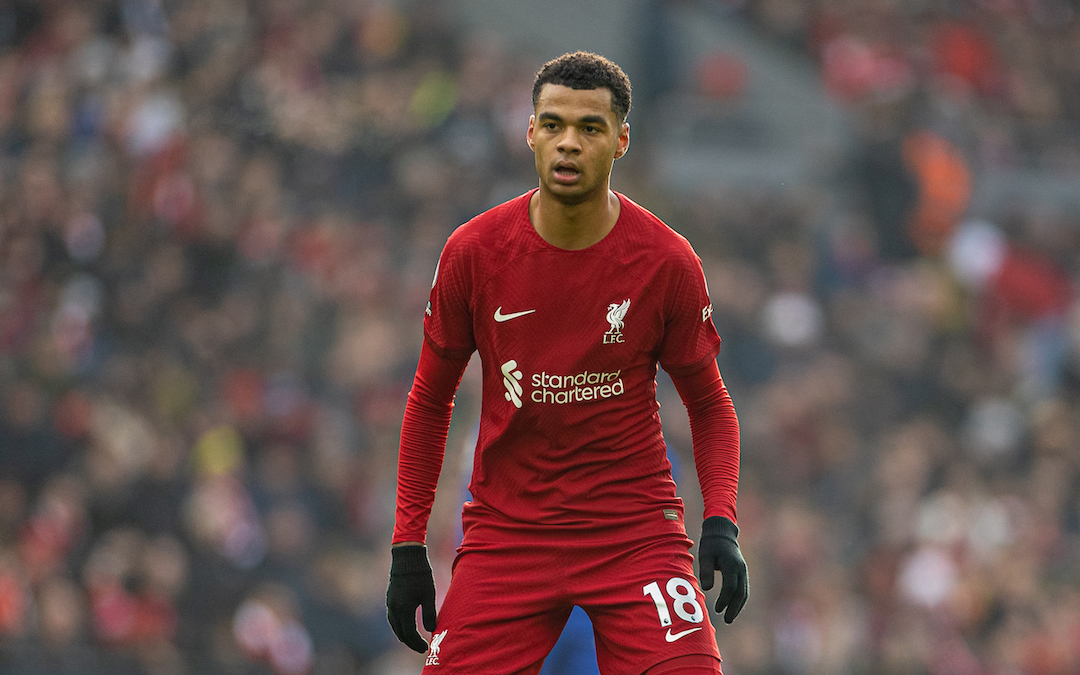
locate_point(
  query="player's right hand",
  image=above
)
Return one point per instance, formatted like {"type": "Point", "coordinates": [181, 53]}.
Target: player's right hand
{"type": "Point", "coordinates": [411, 585]}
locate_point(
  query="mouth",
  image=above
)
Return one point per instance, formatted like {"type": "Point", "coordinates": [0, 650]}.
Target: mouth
{"type": "Point", "coordinates": [565, 173]}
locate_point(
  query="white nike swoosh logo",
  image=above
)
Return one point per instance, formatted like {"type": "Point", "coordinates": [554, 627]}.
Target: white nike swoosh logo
{"type": "Point", "coordinates": [500, 317]}
{"type": "Point", "coordinates": [673, 637]}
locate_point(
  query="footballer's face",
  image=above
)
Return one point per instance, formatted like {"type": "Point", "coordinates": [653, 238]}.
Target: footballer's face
{"type": "Point", "coordinates": [576, 137]}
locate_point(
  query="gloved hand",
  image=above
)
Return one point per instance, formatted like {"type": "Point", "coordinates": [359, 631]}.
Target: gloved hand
{"type": "Point", "coordinates": [718, 549]}
{"type": "Point", "coordinates": [411, 586]}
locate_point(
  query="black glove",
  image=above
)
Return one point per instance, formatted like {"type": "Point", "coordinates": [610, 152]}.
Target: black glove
{"type": "Point", "coordinates": [411, 586]}
{"type": "Point", "coordinates": [719, 550]}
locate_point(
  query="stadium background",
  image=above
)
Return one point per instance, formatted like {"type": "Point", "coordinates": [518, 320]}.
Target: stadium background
{"type": "Point", "coordinates": [218, 225]}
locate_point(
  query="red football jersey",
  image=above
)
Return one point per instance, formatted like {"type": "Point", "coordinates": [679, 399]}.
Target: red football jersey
{"type": "Point", "coordinates": [569, 341]}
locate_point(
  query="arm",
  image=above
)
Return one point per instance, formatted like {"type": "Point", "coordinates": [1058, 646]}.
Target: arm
{"type": "Point", "coordinates": [423, 441]}
{"type": "Point", "coordinates": [714, 428]}
{"type": "Point", "coordinates": [423, 444]}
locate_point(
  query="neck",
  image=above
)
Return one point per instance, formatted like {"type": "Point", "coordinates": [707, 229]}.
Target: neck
{"type": "Point", "coordinates": [573, 226]}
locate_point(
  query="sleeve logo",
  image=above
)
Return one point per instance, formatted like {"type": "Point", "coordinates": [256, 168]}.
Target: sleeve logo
{"type": "Point", "coordinates": [433, 280]}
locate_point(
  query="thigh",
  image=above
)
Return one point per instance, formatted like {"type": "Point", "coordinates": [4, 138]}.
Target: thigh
{"type": "Point", "coordinates": [575, 652]}
{"type": "Point", "coordinates": [647, 608]}
{"type": "Point", "coordinates": [501, 615]}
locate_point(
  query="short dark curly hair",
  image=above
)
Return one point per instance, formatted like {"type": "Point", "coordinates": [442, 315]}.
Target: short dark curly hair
{"type": "Point", "coordinates": [585, 70]}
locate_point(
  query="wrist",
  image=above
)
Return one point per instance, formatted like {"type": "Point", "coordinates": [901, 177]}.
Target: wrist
{"type": "Point", "coordinates": [720, 526]}
{"type": "Point", "coordinates": [408, 559]}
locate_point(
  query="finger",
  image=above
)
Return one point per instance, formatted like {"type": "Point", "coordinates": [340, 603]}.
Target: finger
{"type": "Point", "coordinates": [705, 572]}
{"type": "Point", "coordinates": [727, 590]}
{"type": "Point", "coordinates": [414, 641]}
{"type": "Point", "coordinates": [428, 612]}
{"type": "Point", "coordinates": [742, 592]}
{"type": "Point", "coordinates": [405, 630]}
{"type": "Point", "coordinates": [410, 637]}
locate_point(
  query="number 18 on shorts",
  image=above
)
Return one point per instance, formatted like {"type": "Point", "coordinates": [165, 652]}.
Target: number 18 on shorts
{"type": "Point", "coordinates": [683, 600]}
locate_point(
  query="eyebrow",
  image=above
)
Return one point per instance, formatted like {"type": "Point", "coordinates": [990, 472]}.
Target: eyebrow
{"type": "Point", "coordinates": [587, 119]}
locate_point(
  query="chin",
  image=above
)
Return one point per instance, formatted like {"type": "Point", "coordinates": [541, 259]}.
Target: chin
{"type": "Point", "coordinates": [570, 194]}
{"type": "Point", "coordinates": [571, 199]}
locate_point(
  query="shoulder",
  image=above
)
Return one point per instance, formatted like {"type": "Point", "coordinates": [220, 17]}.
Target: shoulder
{"type": "Point", "coordinates": [491, 228]}
{"type": "Point", "coordinates": [662, 240]}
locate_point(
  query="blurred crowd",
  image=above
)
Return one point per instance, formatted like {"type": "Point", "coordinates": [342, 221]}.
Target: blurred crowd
{"type": "Point", "coordinates": [1002, 75]}
{"type": "Point", "coordinates": [218, 225]}
{"type": "Point", "coordinates": [906, 362]}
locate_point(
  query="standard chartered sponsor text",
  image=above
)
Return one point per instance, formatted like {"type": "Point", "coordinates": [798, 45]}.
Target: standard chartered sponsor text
{"type": "Point", "coordinates": [586, 386]}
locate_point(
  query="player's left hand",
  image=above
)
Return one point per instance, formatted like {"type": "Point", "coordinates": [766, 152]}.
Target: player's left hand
{"type": "Point", "coordinates": [718, 549]}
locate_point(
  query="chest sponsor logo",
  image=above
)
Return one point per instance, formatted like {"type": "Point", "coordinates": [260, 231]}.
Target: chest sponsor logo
{"type": "Point", "coordinates": [616, 315]}
{"type": "Point", "coordinates": [511, 380]}
{"type": "Point", "coordinates": [559, 389]}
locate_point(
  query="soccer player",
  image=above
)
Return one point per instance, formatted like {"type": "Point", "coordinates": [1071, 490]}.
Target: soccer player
{"type": "Point", "coordinates": [572, 294]}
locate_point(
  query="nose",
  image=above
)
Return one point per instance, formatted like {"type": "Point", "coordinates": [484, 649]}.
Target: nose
{"type": "Point", "coordinates": [569, 141]}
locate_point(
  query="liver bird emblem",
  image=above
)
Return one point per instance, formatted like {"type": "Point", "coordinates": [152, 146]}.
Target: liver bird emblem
{"type": "Point", "coordinates": [615, 315]}
{"type": "Point", "coordinates": [436, 643]}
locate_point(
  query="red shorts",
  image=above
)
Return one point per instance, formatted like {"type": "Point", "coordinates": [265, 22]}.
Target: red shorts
{"type": "Point", "coordinates": [505, 608]}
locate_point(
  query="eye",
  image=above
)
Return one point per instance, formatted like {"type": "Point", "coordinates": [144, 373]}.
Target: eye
{"type": "Point", "coordinates": [550, 125]}
{"type": "Point", "coordinates": [591, 129]}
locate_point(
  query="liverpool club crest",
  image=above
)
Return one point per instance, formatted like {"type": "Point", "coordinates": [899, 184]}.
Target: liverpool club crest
{"type": "Point", "coordinates": [616, 313]}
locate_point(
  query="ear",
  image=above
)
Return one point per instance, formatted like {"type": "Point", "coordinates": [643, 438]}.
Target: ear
{"type": "Point", "coordinates": [624, 140]}
{"type": "Point", "coordinates": [529, 133]}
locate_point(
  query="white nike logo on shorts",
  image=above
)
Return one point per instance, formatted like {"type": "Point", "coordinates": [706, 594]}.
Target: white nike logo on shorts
{"type": "Point", "coordinates": [500, 317]}
{"type": "Point", "coordinates": [673, 637]}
